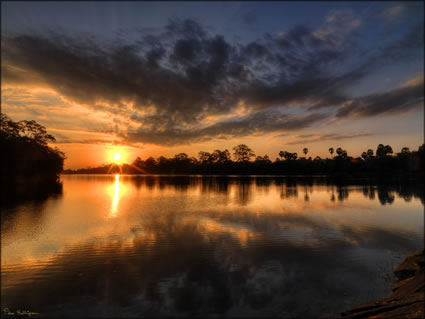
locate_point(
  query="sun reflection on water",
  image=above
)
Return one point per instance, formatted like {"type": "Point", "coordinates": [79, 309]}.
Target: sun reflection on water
{"type": "Point", "coordinates": [115, 200]}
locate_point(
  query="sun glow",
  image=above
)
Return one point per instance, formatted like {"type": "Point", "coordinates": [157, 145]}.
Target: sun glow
{"type": "Point", "coordinates": [118, 154]}
{"type": "Point", "coordinates": [117, 157]}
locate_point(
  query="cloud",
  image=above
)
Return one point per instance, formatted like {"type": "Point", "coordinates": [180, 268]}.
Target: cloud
{"type": "Point", "coordinates": [72, 136]}
{"type": "Point", "coordinates": [312, 138]}
{"type": "Point", "coordinates": [399, 9]}
{"type": "Point", "coordinates": [399, 100]}
{"type": "Point", "coordinates": [37, 101]}
{"type": "Point", "coordinates": [254, 124]}
{"type": "Point", "coordinates": [393, 11]}
{"type": "Point", "coordinates": [415, 81]}
{"type": "Point", "coordinates": [66, 140]}
{"type": "Point", "coordinates": [167, 83]}
{"type": "Point", "coordinates": [338, 27]}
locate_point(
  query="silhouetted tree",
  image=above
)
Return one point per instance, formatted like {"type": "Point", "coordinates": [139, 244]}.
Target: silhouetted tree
{"type": "Point", "coordinates": [138, 162]}
{"type": "Point", "coordinates": [305, 151]}
{"type": "Point", "coordinates": [150, 164]}
{"type": "Point", "coordinates": [221, 156]}
{"type": "Point", "coordinates": [162, 160]}
{"type": "Point", "coordinates": [331, 150]}
{"type": "Point", "coordinates": [181, 157]}
{"type": "Point", "coordinates": [29, 131]}
{"type": "Point", "coordinates": [204, 156]}
{"type": "Point", "coordinates": [388, 150]}
{"type": "Point", "coordinates": [243, 153]}
{"type": "Point", "coordinates": [383, 151]}
{"type": "Point", "coordinates": [25, 154]}
{"type": "Point", "coordinates": [380, 150]}
{"type": "Point", "coordinates": [33, 131]}
{"type": "Point", "coordinates": [219, 162]}
{"type": "Point", "coordinates": [8, 128]}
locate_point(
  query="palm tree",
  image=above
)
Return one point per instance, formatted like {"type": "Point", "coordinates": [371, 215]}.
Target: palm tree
{"type": "Point", "coordinates": [369, 153]}
{"type": "Point", "coordinates": [383, 151]}
{"type": "Point", "coordinates": [305, 151]}
{"type": "Point", "coordinates": [339, 151]}
{"type": "Point", "coordinates": [364, 155]}
{"type": "Point", "coordinates": [380, 150]}
{"type": "Point", "coordinates": [388, 150]}
{"type": "Point", "coordinates": [331, 150]}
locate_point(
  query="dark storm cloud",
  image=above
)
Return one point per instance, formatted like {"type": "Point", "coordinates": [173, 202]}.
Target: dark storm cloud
{"type": "Point", "coordinates": [176, 77]}
{"type": "Point", "coordinates": [395, 101]}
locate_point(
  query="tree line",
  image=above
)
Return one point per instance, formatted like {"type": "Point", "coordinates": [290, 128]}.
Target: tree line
{"type": "Point", "coordinates": [25, 151]}
{"type": "Point", "coordinates": [30, 168]}
{"type": "Point", "coordinates": [243, 160]}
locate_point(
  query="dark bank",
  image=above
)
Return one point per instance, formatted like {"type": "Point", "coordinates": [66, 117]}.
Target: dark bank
{"type": "Point", "coordinates": [407, 299]}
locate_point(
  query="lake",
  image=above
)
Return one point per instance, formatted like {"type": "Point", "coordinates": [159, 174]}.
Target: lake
{"type": "Point", "coordinates": [132, 246]}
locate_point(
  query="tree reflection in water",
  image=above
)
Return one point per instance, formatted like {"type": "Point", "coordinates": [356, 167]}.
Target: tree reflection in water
{"type": "Point", "coordinates": [226, 256]}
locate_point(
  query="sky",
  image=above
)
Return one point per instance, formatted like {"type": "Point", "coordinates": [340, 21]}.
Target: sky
{"type": "Point", "coordinates": [160, 78]}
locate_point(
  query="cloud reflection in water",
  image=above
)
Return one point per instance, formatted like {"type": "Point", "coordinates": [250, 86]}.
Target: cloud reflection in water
{"type": "Point", "coordinates": [209, 246]}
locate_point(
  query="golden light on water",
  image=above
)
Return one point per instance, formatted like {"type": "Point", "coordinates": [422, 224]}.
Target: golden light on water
{"type": "Point", "coordinates": [115, 204]}
{"type": "Point", "coordinates": [115, 200]}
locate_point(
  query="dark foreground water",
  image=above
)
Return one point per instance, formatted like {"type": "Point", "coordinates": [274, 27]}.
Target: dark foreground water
{"type": "Point", "coordinates": [132, 246]}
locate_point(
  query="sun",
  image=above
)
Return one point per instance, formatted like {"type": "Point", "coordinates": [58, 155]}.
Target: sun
{"type": "Point", "coordinates": [117, 157]}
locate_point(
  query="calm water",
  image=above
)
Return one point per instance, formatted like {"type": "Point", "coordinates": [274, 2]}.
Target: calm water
{"type": "Point", "coordinates": [124, 246]}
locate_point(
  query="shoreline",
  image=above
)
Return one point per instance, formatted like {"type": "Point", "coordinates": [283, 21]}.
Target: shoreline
{"type": "Point", "coordinates": [407, 299]}
{"type": "Point", "coordinates": [346, 177]}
